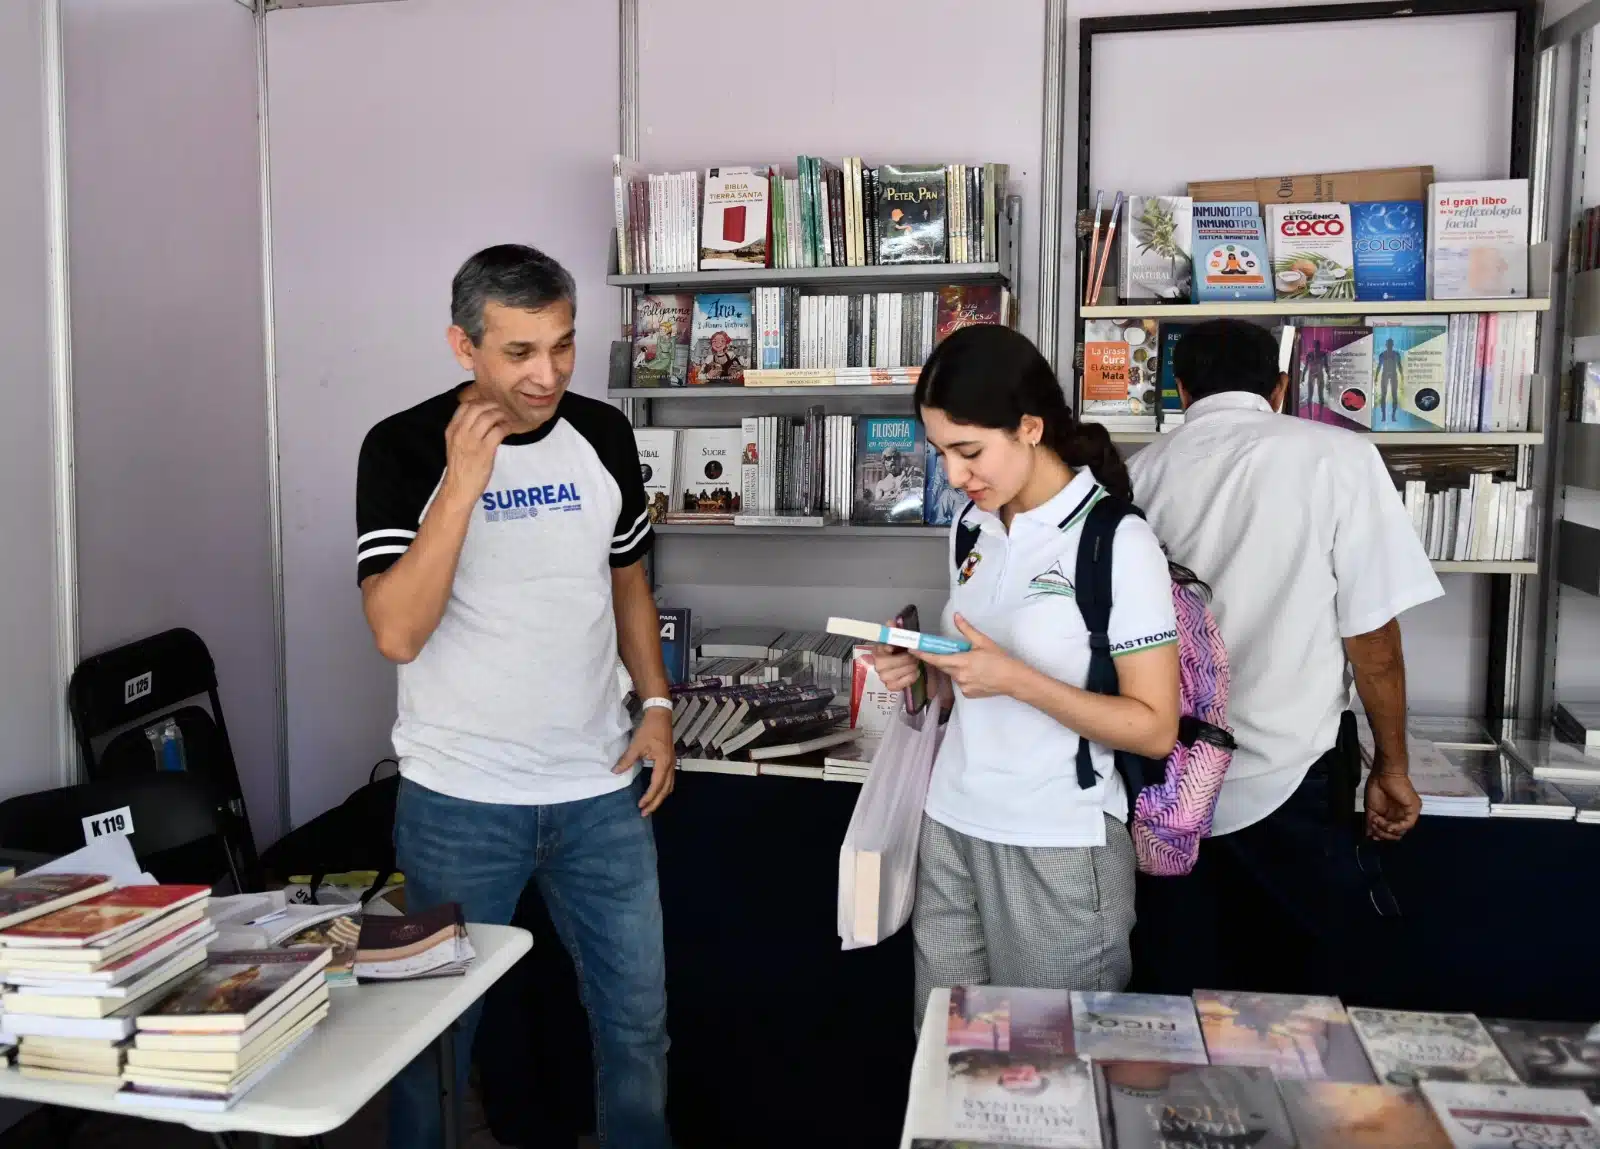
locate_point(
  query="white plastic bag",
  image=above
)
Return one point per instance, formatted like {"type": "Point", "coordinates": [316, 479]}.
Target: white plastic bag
{"type": "Point", "coordinates": [878, 860]}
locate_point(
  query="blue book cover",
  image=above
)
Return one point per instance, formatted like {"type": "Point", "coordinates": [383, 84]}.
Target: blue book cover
{"type": "Point", "coordinates": [1171, 402]}
{"type": "Point", "coordinates": [1230, 253]}
{"type": "Point", "coordinates": [891, 458]}
{"type": "Point", "coordinates": [940, 501]}
{"type": "Point", "coordinates": [675, 640]}
{"type": "Point", "coordinates": [1391, 250]}
{"type": "Point", "coordinates": [722, 339]}
{"type": "Point", "coordinates": [1408, 378]}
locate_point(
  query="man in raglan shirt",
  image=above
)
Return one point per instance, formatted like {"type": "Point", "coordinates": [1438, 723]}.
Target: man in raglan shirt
{"type": "Point", "coordinates": [502, 530]}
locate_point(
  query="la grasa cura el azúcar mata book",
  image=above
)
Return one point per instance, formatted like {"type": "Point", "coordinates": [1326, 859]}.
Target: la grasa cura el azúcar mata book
{"type": "Point", "coordinates": [1137, 1027]}
{"type": "Point", "coordinates": [1157, 1105]}
{"type": "Point", "coordinates": [1406, 1048]}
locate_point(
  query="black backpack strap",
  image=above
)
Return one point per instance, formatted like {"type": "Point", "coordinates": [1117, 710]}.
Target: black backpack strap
{"type": "Point", "coordinates": [1092, 586]}
{"type": "Point", "coordinates": [966, 535]}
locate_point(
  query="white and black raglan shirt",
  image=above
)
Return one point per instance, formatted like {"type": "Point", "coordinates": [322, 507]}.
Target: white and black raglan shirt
{"type": "Point", "coordinates": [514, 698]}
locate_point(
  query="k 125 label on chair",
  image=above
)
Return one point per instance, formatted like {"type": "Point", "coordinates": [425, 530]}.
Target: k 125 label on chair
{"type": "Point", "coordinates": [108, 825]}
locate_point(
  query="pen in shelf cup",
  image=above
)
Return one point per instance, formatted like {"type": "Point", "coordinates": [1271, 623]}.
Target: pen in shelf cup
{"type": "Point", "coordinates": [1094, 243]}
{"type": "Point", "coordinates": [1105, 251]}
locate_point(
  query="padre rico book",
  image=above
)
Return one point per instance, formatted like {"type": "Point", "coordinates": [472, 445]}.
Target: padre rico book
{"type": "Point", "coordinates": [1137, 1027]}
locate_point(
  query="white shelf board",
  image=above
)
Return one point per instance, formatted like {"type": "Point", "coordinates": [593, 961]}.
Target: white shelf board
{"type": "Point", "coordinates": [1186, 311]}
{"type": "Point", "coordinates": [842, 391]}
{"type": "Point", "coordinates": [888, 530]}
{"type": "Point", "coordinates": [1399, 438]}
{"type": "Point", "coordinates": [1486, 567]}
{"type": "Point", "coordinates": [898, 273]}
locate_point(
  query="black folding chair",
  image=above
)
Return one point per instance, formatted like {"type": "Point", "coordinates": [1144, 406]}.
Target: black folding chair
{"type": "Point", "coordinates": [117, 697]}
{"type": "Point", "coordinates": [176, 834]}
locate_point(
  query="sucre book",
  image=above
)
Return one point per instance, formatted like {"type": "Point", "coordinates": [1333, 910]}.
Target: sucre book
{"type": "Point", "coordinates": [1293, 1035]}
{"type": "Point", "coordinates": [1158, 1105]}
{"type": "Point", "coordinates": [710, 478]}
{"type": "Point", "coordinates": [1338, 1115]}
{"type": "Point", "coordinates": [1407, 1047]}
{"type": "Point", "coordinates": [1137, 1027]}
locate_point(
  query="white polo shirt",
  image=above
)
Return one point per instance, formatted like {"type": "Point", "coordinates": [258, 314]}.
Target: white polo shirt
{"type": "Point", "coordinates": [1299, 531]}
{"type": "Point", "coordinates": [1007, 772]}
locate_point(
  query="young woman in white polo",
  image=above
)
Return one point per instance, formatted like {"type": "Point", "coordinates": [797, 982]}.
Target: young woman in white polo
{"type": "Point", "coordinates": [1025, 877]}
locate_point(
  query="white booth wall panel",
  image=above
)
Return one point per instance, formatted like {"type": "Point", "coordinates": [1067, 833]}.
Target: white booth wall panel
{"type": "Point", "coordinates": [28, 687]}
{"type": "Point", "coordinates": [404, 137]}
{"type": "Point", "coordinates": [1433, 90]}
{"type": "Point", "coordinates": [952, 85]}
{"type": "Point", "coordinates": [171, 429]}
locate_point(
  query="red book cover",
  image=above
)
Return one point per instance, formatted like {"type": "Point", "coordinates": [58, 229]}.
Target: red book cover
{"type": "Point", "coordinates": [963, 306]}
{"type": "Point", "coordinates": [733, 223]}
{"type": "Point", "coordinates": [32, 894]}
{"type": "Point", "coordinates": [111, 913]}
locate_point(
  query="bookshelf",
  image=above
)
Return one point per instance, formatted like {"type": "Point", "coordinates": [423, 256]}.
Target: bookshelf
{"type": "Point", "coordinates": [832, 530]}
{"type": "Point", "coordinates": [1105, 154]}
{"type": "Point", "coordinates": [835, 391]}
{"type": "Point", "coordinates": [896, 276]}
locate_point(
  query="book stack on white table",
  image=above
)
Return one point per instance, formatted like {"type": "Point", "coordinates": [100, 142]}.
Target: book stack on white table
{"type": "Point", "coordinates": [371, 1034]}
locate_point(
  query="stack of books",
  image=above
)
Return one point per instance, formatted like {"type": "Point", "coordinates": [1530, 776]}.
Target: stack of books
{"type": "Point", "coordinates": [1484, 521]}
{"type": "Point", "coordinates": [78, 977]}
{"type": "Point", "coordinates": [206, 1045]}
{"type": "Point", "coordinates": [433, 943]}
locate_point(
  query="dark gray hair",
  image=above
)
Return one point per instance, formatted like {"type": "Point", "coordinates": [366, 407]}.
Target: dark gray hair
{"type": "Point", "coordinates": [511, 275]}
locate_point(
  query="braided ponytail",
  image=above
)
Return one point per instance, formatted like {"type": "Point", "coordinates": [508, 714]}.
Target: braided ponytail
{"type": "Point", "coordinates": [991, 376]}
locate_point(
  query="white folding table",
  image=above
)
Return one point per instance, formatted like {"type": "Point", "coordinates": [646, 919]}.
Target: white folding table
{"type": "Point", "coordinates": [371, 1033]}
{"type": "Point", "coordinates": [925, 1106]}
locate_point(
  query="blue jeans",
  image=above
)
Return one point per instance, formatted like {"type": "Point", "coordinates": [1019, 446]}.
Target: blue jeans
{"type": "Point", "coordinates": [595, 862]}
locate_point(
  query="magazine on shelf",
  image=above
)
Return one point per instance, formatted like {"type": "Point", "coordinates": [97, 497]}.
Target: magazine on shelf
{"type": "Point", "coordinates": [1294, 1035]}
{"type": "Point", "coordinates": [1137, 1027]}
{"type": "Point", "coordinates": [1407, 1047]}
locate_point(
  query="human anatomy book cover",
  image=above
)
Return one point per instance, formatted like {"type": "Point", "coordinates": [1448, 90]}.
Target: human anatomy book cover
{"type": "Point", "coordinates": [1334, 376]}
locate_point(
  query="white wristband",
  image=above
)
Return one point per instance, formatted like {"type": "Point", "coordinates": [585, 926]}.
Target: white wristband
{"type": "Point", "coordinates": [658, 703]}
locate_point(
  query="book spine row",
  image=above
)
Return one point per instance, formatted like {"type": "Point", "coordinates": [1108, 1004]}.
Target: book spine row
{"type": "Point", "coordinates": [828, 332]}
{"type": "Point", "coordinates": [1486, 521]}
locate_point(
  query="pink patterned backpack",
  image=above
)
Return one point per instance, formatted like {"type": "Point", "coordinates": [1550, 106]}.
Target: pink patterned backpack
{"type": "Point", "coordinates": [1171, 801]}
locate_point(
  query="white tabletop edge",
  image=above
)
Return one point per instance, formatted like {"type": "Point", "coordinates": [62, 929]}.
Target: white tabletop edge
{"type": "Point", "coordinates": [925, 1099]}
{"type": "Point", "coordinates": [372, 1032]}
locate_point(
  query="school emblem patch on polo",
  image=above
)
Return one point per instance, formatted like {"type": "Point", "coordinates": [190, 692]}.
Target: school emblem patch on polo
{"type": "Point", "coordinates": [1052, 581]}
{"type": "Point", "coordinates": [969, 565]}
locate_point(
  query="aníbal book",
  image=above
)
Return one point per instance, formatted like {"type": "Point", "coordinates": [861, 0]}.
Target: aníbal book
{"type": "Point", "coordinates": [734, 234]}
{"type": "Point", "coordinates": [1478, 240]}
{"type": "Point", "coordinates": [1511, 1116]}
{"type": "Point", "coordinates": [658, 450]}
{"type": "Point", "coordinates": [720, 347]}
{"type": "Point", "coordinates": [1339, 1115]}
{"type": "Point", "coordinates": [1407, 1047]}
{"type": "Point", "coordinates": [889, 461]}
{"type": "Point", "coordinates": [1335, 376]}
{"type": "Point", "coordinates": [1137, 1027]}
{"type": "Point", "coordinates": [1293, 1035]}
{"type": "Point", "coordinates": [1313, 253]}
{"type": "Point", "coordinates": [1391, 245]}
{"type": "Point", "coordinates": [1408, 378]}
{"type": "Point", "coordinates": [1230, 253]}
{"type": "Point", "coordinates": [1121, 362]}
{"type": "Point", "coordinates": [661, 327]}
{"type": "Point", "coordinates": [1022, 1098]}
{"type": "Point", "coordinates": [710, 478]}
{"type": "Point", "coordinates": [234, 990]}
{"type": "Point", "coordinates": [1156, 246]}
{"type": "Point", "coordinates": [1552, 1054]}
{"type": "Point", "coordinates": [1159, 1105]}
{"type": "Point", "coordinates": [912, 205]}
